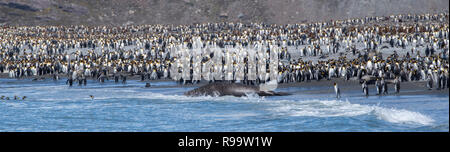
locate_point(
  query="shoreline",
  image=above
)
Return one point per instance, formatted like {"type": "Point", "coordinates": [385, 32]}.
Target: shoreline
{"type": "Point", "coordinates": [312, 87]}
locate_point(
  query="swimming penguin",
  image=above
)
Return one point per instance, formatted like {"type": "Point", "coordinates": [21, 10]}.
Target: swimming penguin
{"type": "Point", "coordinates": [147, 85]}
{"type": "Point", "coordinates": [2, 97]}
{"type": "Point", "coordinates": [92, 97]}
{"type": "Point", "coordinates": [24, 97]}
{"type": "Point", "coordinates": [15, 97]}
{"type": "Point", "coordinates": [7, 98]}
{"type": "Point", "coordinates": [337, 90]}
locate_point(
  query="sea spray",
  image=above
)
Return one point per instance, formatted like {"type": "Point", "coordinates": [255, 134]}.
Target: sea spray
{"type": "Point", "coordinates": [334, 108]}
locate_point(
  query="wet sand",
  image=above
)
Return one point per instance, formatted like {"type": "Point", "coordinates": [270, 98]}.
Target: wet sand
{"type": "Point", "coordinates": [406, 88]}
{"type": "Point", "coordinates": [312, 87]}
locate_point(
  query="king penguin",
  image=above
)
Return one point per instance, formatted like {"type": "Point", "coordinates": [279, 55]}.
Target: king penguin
{"type": "Point", "coordinates": [337, 90]}
{"type": "Point", "coordinates": [397, 85]}
{"type": "Point", "coordinates": [365, 88]}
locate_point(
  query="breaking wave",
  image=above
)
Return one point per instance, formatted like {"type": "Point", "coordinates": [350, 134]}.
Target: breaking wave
{"type": "Point", "coordinates": [334, 108]}
{"type": "Point", "coordinates": [313, 108]}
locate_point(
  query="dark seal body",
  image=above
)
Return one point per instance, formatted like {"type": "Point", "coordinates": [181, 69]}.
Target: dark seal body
{"type": "Point", "coordinates": [232, 89]}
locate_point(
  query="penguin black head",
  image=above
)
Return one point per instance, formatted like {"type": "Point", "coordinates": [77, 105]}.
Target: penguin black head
{"type": "Point", "coordinates": [92, 97]}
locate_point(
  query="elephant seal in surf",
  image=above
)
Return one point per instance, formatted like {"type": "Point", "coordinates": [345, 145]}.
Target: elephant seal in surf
{"type": "Point", "coordinates": [234, 89]}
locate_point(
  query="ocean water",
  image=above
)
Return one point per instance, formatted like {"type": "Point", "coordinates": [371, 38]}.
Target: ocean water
{"type": "Point", "coordinates": [53, 106]}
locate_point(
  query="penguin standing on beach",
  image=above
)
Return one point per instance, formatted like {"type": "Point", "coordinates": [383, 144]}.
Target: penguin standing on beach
{"type": "Point", "coordinates": [143, 76]}
{"type": "Point", "coordinates": [378, 86]}
{"type": "Point", "coordinates": [397, 85]}
{"type": "Point", "coordinates": [116, 78]}
{"type": "Point", "coordinates": [102, 78]}
{"type": "Point", "coordinates": [443, 80]}
{"type": "Point", "coordinates": [84, 80]}
{"type": "Point", "coordinates": [69, 81]}
{"type": "Point", "coordinates": [80, 81]}
{"type": "Point", "coordinates": [337, 90]}
{"type": "Point", "coordinates": [384, 87]}
{"type": "Point", "coordinates": [365, 88]}
{"type": "Point", "coordinates": [124, 79]}
{"type": "Point", "coordinates": [429, 82]}
{"type": "Point", "coordinates": [448, 80]}
{"type": "Point", "coordinates": [438, 81]}
{"type": "Point", "coordinates": [55, 77]}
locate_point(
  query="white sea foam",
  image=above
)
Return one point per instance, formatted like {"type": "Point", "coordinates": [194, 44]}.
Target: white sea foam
{"type": "Point", "coordinates": [402, 116]}
{"type": "Point", "coordinates": [333, 108]}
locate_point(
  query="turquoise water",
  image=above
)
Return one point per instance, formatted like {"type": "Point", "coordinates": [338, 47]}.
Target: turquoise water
{"type": "Point", "coordinates": [53, 106]}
